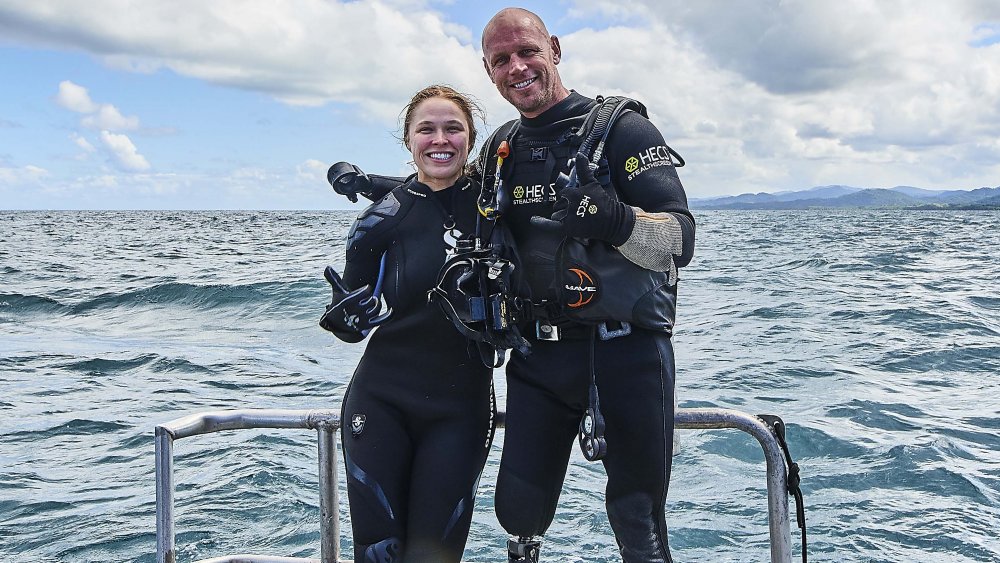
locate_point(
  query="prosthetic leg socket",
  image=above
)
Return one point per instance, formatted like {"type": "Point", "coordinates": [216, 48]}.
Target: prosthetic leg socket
{"type": "Point", "coordinates": [523, 550]}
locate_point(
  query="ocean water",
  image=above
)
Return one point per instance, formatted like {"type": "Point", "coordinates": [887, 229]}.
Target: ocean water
{"type": "Point", "coordinates": [875, 334]}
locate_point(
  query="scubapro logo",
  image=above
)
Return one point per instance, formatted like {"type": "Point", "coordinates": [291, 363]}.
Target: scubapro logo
{"type": "Point", "coordinates": [357, 424]}
{"type": "Point", "coordinates": [351, 320]}
{"type": "Point", "coordinates": [586, 289]}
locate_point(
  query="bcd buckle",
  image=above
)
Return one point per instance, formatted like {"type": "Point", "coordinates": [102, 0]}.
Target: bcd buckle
{"type": "Point", "coordinates": [546, 331]}
{"type": "Point", "coordinates": [605, 333]}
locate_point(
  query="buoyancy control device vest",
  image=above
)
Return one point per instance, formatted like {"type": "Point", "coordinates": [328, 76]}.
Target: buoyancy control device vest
{"type": "Point", "coordinates": [580, 280]}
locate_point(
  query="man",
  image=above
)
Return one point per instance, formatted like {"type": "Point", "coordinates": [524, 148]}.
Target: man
{"type": "Point", "coordinates": [548, 390]}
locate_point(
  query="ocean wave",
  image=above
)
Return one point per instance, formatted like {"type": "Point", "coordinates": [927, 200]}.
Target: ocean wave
{"type": "Point", "coordinates": [811, 263]}
{"type": "Point", "coordinates": [989, 303]}
{"type": "Point", "coordinates": [16, 303]}
{"type": "Point", "coordinates": [176, 293]}
{"type": "Point", "coordinates": [172, 294]}
{"type": "Point", "coordinates": [74, 427]}
{"type": "Point", "coordinates": [789, 310]}
{"type": "Point", "coordinates": [884, 416]}
{"type": "Point", "coordinates": [107, 366]}
{"type": "Point", "coordinates": [961, 359]}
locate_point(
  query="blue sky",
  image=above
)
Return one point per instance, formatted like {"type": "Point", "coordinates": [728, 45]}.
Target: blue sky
{"type": "Point", "coordinates": [244, 104]}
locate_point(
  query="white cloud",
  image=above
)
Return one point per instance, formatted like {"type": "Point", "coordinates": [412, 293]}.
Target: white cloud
{"type": "Point", "coordinates": [312, 170]}
{"type": "Point", "coordinates": [83, 143]}
{"type": "Point", "coordinates": [108, 117]}
{"type": "Point", "coordinates": [97, 116]}
{"type": "Point", "coordinates": [24, 174]}
{"type": "Point", "coordinates": [124, 152]}
{"type": "Point", "coordinates": [75, 98]}
{"type": "Point", "coordinates": [249, 173]}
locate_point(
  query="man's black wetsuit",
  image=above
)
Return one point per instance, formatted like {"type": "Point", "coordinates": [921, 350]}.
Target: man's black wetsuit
{"type": "Point", "coordinates": [547, 390]}
{"type": "Point", "coordinates": [419, 412]}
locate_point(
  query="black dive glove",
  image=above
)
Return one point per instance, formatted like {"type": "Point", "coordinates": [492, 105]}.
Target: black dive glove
{"type": "Point", "coordinates": [351, 315]}
{"type": "Point", "coordinates": [586, 210]}
{"type": "Point", "coordinates": [348, 180]}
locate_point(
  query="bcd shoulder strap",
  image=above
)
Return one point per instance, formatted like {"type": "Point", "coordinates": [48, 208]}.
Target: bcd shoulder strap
{"type": "Point", "coordinates": [489, 164]}
{"type": "Point", "coordinates": [600, 121]}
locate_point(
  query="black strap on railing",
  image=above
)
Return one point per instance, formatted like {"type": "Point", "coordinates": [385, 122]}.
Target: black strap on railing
{"type": "Point", "coordinates": [792, 482]}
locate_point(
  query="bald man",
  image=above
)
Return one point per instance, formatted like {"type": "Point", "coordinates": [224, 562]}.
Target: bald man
{"type": "Point", "coordinates": [639, 208]}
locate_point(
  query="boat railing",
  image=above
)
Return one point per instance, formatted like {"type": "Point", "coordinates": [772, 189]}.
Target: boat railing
{"type": "Point", "coordinates": [327, 422]}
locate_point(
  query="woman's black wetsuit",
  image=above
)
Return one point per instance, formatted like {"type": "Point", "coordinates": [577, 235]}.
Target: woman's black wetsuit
{"type": "Point", "coordinates": [419, 412]}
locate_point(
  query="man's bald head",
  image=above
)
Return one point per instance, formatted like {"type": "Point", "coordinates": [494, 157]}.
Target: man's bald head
{"type": "Point", "coordinates": [513, 16]}
{"type": "Point", "coordinates": [520, 58]}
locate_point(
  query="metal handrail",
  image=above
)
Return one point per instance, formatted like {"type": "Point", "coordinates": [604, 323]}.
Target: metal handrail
{"type": "Point", "coordinates": [327, 422]}
{"type": "Point", "coordinates": [777, 490]}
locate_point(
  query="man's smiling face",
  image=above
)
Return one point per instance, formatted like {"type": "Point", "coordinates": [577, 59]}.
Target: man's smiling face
{"type": "Point", "coordinates": [521, 60]}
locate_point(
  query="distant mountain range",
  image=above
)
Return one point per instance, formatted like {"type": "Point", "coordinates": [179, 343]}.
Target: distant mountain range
{"type": "Point", "coordinates": [848, 197]}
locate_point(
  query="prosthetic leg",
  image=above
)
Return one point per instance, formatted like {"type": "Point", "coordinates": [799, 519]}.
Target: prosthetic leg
{"type": "Point", "coordinates": [523, 550]}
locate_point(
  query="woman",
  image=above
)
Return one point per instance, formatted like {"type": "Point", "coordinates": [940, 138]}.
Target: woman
{"type": "Point", "coordinates": [419, 412]}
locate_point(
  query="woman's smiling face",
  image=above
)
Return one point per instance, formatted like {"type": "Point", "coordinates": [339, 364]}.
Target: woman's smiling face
{"type": "Point", "coordinates": [439, 142]}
